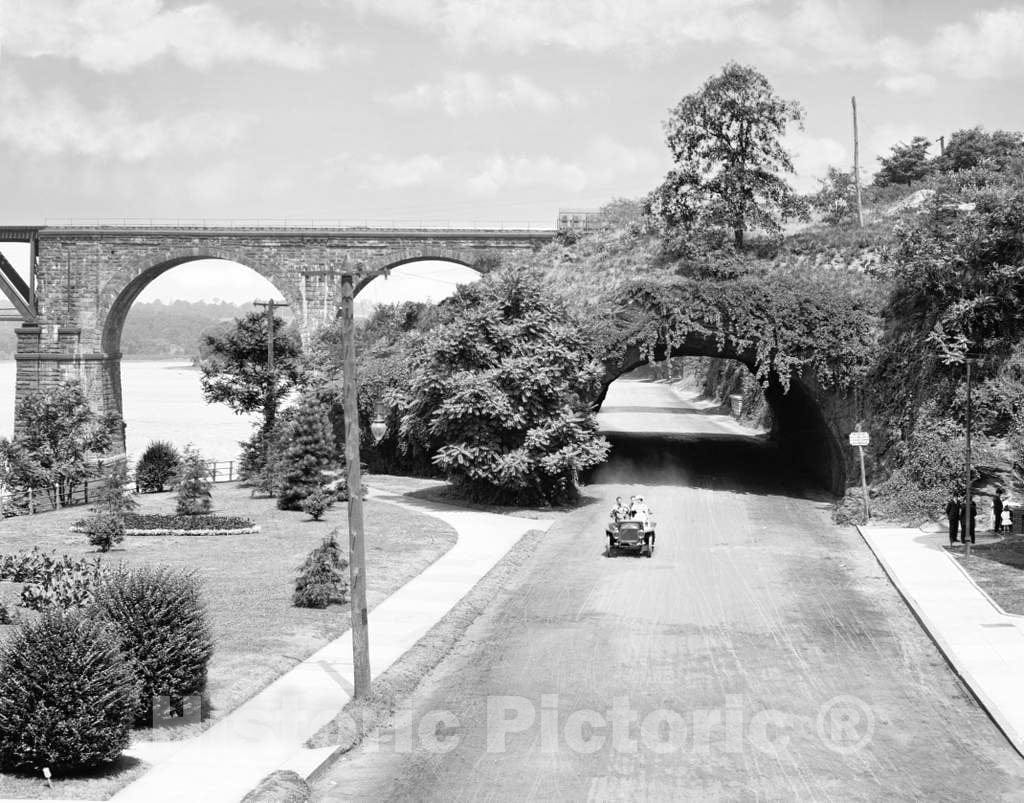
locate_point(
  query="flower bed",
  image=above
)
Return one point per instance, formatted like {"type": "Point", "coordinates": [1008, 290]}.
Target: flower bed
{"type": "Point", "coordinates": [160, 524]}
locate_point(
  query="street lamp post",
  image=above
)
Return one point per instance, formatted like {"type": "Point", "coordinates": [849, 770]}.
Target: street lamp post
{"type": "Point", "coordinates": [968, 520]}
{"type": "Point", "coordinates": [356, 547]}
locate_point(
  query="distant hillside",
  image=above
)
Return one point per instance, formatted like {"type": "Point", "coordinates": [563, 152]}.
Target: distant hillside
{"type": "Point", "coordinates": [158, 329]}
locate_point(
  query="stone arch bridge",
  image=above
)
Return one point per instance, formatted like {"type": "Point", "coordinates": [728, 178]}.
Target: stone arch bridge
{"type": "Point", "coordinates": [83, 280]}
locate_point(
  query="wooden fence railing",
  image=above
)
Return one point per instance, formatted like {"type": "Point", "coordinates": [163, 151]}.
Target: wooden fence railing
{"type": "Point", "coordinates": [29, 501]}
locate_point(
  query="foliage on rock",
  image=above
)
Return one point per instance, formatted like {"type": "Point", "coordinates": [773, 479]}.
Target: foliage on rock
{"type": "Point", "coordinates": [67, 695]}
{"type": "Point", "coordinates": [500, 392]}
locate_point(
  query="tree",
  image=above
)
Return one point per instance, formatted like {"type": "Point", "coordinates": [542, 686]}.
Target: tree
{"type": "Point", "coordinates": [106, 526]}
{"type": "Point", "coordinates": [975, 147]}
{"type": "Point", "coordinates": [905, 164]}
{"type": "Point", "coordinates": [157, 466]}
{"type": "Point", "coordinates": [725, 142]}
{"type": "Point", "coordinates": [235, 370]}
{"type": "Point", "coordinates": [309, 450]}
{"type": "Point", "coordinates": [194, 495]}
{"type": "Point", "coordinates": [500, 392]}
{"type": "Point", "coordinates": [837, 197]}
{"type": "Point", "coordinates": [58, 431]}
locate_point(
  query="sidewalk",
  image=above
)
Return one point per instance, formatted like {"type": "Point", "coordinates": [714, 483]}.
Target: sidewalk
{"type": "Point", "coordinates": [983, 643]}
{"type": "Point", "coordinates": [268, 732]}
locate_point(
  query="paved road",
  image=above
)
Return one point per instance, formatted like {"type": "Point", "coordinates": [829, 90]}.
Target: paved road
{"type": "Point", "coordinates": [761, 654]}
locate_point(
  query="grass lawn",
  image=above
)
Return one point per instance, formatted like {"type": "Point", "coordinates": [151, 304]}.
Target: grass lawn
{"type": "Point", "coordinates": [999, 570]}
{"type": "Point", "coordinates": [247, 582]}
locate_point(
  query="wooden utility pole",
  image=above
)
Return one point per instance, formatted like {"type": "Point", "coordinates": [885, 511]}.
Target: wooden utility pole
{"type": "Point", "coordinates": [856, 163]}
{"type": "Point", "coordinates": [967, 483]}
{"type": "Point", "coordinates": [269, 306]}
{"type": "Point", "coordinates": [356, 548]}
{"type": "Point", "coordinates": [942, 145]}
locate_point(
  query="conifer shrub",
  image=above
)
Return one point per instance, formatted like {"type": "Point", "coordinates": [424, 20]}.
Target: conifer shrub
{"type": "Point", "coordinates": [308, 450]}
{"type": "Point", "coordinates": [193, 484]}
{"type": "Point", "coordinates": [104, 529]}
{"type": "Point", "coordinates": [163, 626]}
{"type": "Point", "coordinates": [157, 467]}
{"type": "Point", "coordinates": [106, 526]}
{"type": "Point", "coordinates": [322, 578]}
{"type": "Point", "coordinates": [5, 615]}
{"type": "Point", "coordinates": [316, 504]}
{"type": "Point", "coordinates": [67, 695]}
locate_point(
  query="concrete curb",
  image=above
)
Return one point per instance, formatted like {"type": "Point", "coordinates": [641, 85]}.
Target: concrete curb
{"type": "Point", "coordinates": [934, 631]}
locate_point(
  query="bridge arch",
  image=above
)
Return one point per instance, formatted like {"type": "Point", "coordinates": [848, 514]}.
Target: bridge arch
{"type": "Point", "coordinates": [804, 418]}
{"type": "Point", "coordinates": [116, 297]}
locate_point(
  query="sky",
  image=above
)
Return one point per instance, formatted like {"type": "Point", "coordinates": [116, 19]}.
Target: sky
{"type": "Point", "coordinates": [465, 111]}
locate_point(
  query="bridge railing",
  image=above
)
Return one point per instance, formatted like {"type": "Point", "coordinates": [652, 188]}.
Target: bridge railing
{"type": "Point", "coordinates": [43, 499]}
{"type": "Point", "coordinates": [413, 224]}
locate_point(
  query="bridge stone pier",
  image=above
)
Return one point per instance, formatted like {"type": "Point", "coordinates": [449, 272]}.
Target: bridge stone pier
{"type": "Point", "coordinates": [85, 279]}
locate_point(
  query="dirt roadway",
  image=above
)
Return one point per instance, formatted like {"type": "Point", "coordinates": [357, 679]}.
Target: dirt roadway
{"type": "Point", "coordinates": [761, 654]}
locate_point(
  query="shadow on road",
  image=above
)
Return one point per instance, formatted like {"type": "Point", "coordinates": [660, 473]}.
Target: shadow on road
{"type": "Point", "coordinates": [741, 464]}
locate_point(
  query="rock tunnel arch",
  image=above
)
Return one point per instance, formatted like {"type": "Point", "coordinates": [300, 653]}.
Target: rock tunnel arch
{"type": "Point", "coordinates": [805, 431]}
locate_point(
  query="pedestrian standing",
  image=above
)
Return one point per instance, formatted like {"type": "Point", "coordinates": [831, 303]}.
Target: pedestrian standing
{"type": "Point", "coordinates": [997, 511]}
{"type": "Point", "coordinates": [953, 513]}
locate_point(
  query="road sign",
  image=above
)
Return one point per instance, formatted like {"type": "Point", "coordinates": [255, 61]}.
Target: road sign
{"type": "Point", "coordinates": [859, 439]}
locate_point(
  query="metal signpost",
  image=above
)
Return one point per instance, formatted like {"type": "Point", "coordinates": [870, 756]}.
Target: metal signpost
{"type": "Point", "coordinates": [860, 439]}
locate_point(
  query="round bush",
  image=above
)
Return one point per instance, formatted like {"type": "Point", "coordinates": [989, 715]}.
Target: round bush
{"type": "Point", "coordinates": [163, 626]}
{"type": "Point", "coordinates": [68, 695]}
{"type": "Point", "coordinates": [157, 466]}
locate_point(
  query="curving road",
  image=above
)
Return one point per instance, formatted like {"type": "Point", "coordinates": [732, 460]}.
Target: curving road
{"type": "Point", "coordinates": [761, 654]}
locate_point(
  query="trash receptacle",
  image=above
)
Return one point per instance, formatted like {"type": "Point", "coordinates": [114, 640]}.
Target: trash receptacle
{"type": "Point", "coordinates": [736, 403]}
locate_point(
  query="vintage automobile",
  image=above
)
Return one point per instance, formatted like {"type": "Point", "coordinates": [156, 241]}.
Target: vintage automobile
{"type": "Point", "coordinates": [633, 534]}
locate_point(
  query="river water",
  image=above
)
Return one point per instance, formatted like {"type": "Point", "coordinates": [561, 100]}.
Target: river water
{"type": "Point", "coordinates": [162, 401]}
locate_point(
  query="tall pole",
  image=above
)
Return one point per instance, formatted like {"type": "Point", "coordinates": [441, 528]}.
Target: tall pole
{"type": "Point", "coordinates": [864, 487]}
{"type": "Point", "coordinates": [856, 162]}
{"type": "Point", "coordinates": [356, 548]}
{"type": "Point", "coordinates": [967, 483]}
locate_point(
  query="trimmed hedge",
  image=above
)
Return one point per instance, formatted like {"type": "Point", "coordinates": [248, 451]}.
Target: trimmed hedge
{"type": "Point", "coordinates": [163, 524]}
{"type": "Point", "coordinates": [67, 695]}
{"type": "Point", "coordinates": [162, 623]}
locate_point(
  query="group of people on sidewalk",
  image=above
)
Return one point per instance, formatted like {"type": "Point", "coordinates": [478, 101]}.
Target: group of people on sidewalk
{"type": "Point", "coordinates": [961, 517]}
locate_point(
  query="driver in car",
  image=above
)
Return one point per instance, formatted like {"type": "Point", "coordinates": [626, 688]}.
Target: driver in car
{"type": "Point", "coordinates": [620, 511]}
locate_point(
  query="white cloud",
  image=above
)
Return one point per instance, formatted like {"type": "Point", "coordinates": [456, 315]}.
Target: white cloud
{"type": "Point", "coordinates": [921, 83]}
{"type": "Point", "coordinates": [380, 171]}
{"type": "Point", "coordinates": [584, 25]}
{"type": "Point", "coordinates": [812, 156]}
{"type": "Point", "coordinates": [600, 163]}
{"type": "Point", "coordinates": [460, 93]}
{"type": "Point", "coordinates": [119, 35]}
{"type": "Point", "coordinates": [55, 122]}
{"type": "Point", "coordinates": [990, 46]}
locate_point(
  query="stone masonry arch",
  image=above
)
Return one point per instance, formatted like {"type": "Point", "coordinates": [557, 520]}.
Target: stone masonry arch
{"type": "Point", "coordinates": [86, 278]}
{"type": "Point", "coordinates": [808, 421]}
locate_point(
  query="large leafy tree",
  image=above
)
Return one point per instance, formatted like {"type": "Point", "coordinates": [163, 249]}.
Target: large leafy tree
{"type": "Point", "coordinates": [974, 147]}
{"type": "Point", "coordinates": [58, 432]}
{"type": "Point", "coordinates": [729, 160]}
{"type": "Point", "coordinates": [905, 164]}
{"type": "Point", "coordinates": [236, 371]}
{"type": "Point", "coordinates": [500, 391]}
